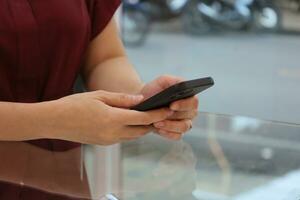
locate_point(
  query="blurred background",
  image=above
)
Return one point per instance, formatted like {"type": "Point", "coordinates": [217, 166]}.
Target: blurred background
{"type": "Point", "coordinates": [250, 47]}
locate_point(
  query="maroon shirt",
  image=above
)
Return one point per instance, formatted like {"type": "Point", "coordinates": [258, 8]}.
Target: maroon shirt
{"type": "Point", "coordinates": [42, 43]}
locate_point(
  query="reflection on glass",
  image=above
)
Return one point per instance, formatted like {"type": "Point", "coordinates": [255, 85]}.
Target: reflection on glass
{"type": "Point", "coordinates": [218, 162]}
{"type": "Point", "coordinates": [31, 172]}
{"type": "Point", "coordinates": [214, 161]}
{"type": "Point", "coordinates": [154, 169]}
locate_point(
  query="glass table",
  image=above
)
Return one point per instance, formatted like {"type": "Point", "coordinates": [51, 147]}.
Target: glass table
{"type": "Point", "coordinates": [222, 158]}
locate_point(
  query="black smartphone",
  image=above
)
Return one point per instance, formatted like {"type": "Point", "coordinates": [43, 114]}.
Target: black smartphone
{"type": "Point", "coordinates": [176, 92]}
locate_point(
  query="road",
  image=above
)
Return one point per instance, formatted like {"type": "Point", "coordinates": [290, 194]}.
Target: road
{"type": "Point", "coordinates": [256, 75]}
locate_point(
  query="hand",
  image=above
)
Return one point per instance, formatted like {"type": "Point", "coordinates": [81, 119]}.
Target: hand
{"type": "Point", "coordinates": [102, 118]}
{"type": "Point", "coordinates": [184, 110]}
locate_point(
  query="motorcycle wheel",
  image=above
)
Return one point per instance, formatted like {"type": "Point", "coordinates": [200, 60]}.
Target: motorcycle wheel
{"type": "Point", "coordinates": [267, 19]}
{"type": "Point", "coordinates": [135, 26]}
{"type": "Point", "coordinates": [193, 21]}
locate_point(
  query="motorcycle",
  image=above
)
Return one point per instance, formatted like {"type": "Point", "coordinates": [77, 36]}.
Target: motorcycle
{"type": "Point", "coordinates": [138, 15]}
{"type": "Point", "coordinates": [198, 16]}
{"type": "Point", "coordinates": [258, 15]}
{"type": "Point", "coordinates": [135, 23]}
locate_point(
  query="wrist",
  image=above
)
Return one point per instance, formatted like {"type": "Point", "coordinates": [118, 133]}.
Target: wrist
{"type": "Point", "coordinates": [51, 120]}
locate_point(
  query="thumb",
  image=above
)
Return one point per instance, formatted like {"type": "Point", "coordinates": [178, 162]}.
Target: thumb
{"type": "Point", "coordinates": [119, 100]}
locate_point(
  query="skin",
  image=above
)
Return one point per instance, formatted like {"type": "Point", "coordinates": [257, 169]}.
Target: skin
{"type": "Point", "coordinates": [102, 115]}
{"type": "Point", "coordinates": [113, 60]}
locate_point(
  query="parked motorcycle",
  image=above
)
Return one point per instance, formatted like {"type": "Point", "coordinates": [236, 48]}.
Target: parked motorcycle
{"type": "Point", "coordinates": [199, 16]}
{"type": "Point", "coordinates": [138, 15]}
{"type": "Point", "coordinates": [258, 15]}
{"type": "Point", "coordinates": [135, 22]}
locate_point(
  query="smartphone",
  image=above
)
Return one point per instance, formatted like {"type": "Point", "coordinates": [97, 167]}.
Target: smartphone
{"type": "Point", "coordinates": [176, 92]}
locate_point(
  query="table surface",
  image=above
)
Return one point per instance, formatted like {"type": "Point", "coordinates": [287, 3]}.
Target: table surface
{"type": "Point", "coordinates": [222, 158]}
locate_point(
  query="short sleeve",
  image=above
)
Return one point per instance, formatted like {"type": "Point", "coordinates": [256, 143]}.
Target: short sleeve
{"type": "Point", "coordinates": [101, 12]}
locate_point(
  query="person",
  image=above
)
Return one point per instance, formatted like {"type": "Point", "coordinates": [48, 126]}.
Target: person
{"type": "Point", "coordinates": [44, 46]}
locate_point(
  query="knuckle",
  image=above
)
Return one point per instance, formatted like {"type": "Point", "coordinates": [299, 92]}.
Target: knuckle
{"type": "Point", "coordinates": [187, 125]}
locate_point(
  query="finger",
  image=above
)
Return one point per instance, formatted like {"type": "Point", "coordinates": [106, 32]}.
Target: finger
{"type": "Point", "coordinates": [169, 135]}
{"type": "Point", "coordinates": [160, 84]}
{"type": "Point", "coordinates": [185, 104]}
{"type": "Point", "coordinates": [132, 117]}
{"type": "Point", "coordinates": [184, 115]}
{"type": "Point", "coordinates": [174, 126]}
{"type": "Point", "coordinates": [166, 81]}
{"type": "Point", "coordinates": [135, 132]}
{"type": "Point", "coordinates": [119, 100]}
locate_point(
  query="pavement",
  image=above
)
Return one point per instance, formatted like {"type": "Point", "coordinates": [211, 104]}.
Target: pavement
{"type": "Point", "coordinates": [256, 75]}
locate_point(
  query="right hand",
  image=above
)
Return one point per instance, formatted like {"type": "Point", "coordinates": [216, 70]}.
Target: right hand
{"type": "Point", "coordinates": [103, 118]}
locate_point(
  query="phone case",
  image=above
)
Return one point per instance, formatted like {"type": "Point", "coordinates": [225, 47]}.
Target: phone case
{"type": "Point", "coordinates": [176, 92]}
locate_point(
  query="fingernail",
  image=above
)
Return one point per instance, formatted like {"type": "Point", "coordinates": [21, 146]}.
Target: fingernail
{"type": "Point", "coordinates": [159, 124]}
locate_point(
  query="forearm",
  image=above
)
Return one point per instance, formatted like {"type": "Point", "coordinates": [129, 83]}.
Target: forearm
{"type": "Point", "coordinates": [116, 75]}
{"type": "Point", "coordinates": [20, 121]}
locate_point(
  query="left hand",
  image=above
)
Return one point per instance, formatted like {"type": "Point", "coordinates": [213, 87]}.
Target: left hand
{"type": "Point", "coordinates": [184, 110]}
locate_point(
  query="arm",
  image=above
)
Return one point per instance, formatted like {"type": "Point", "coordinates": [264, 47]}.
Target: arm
{"type": "Point", "coordinates": [20, 121]}
{"type": "Point", "coordinates": [107, 66]}
{"type": "Point", "coordinates": [78, 118]}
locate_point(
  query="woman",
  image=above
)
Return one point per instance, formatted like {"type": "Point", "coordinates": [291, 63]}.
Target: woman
{"type": "Point", "coordinates": [44, 45]}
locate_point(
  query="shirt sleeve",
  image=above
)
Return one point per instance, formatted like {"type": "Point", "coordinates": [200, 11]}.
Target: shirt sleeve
{"type": "Point", "coordinates": [101, 12]}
